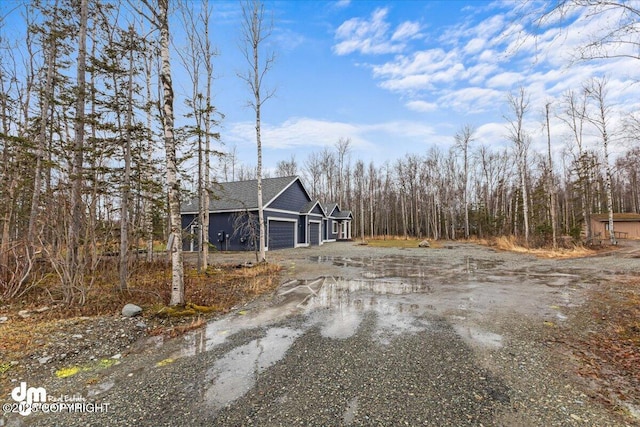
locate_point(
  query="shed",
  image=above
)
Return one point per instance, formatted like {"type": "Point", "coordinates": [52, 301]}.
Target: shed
{"type": "Point", "coordinates": [625, 225]}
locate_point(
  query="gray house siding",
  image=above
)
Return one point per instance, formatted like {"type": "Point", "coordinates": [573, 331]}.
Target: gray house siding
{"type": "Point", "coordinates": [293, 197]}
{"type": "Point", "coordinates": [291, 218]}
{"type": "Point", "coordinates": [333, 225]}
{"type": "Point", "coordinates": [225, 237]}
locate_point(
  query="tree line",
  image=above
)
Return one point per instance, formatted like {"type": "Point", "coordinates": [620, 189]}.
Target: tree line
{"type": "Point", "coordinates": [474, 189]}
{"type": "Point", "coordinates": [93, 164]}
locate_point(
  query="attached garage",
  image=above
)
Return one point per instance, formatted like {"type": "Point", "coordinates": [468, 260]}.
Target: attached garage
{"type": "Point", "coordinates": [314, 233]}
{"type": "Point", "coordinates": [292, 218]}
{"type": "Point", "coordinates": [281, 234]}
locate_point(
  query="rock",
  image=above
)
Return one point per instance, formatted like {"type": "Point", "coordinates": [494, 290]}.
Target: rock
{"type": "Point", "coordinates": [24, 314]}
{"type": "Point", "coordinates": [42, 309]}
{"type": "Point", "coordinates": [77, 336]}
{"type": "Point", "coordinates": [141, 325]}
{"type": "Point", "coordinates": [424, 244]}
{"type": "Point", "coordinates": [131, 310]}
{"type": "Point", "coordinates": [44, 360]}
{"type": "Point", "coordinates": [3, 319]}
{"type": "Point", "coordinates": [116, 356]}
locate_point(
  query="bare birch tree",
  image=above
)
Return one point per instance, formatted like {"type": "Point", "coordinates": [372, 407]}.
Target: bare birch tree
{"type": "Point", "coordinates": [463, 138]}
{"type": "Point", "coordinates": [550, 182]}
{"type": "Point", "coordinates": [519, 105]}
{"type": "Point", "coordinates": [254, 34]}
{"type": "Point", "coordinates": [160, 19]}
{"type": "Point", "coordinates": [596, 89]}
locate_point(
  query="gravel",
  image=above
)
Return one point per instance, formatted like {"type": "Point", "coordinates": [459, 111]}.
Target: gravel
{"type": "Point", "coordinates": [460, 335]}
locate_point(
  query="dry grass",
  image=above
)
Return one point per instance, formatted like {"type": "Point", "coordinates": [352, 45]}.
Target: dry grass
{"type": "Point", "coordinates": [396, 242]}
{"type": "Point", "coordinates": [511, 244]}
{"type": "Point", "coordinates": [216, 290]}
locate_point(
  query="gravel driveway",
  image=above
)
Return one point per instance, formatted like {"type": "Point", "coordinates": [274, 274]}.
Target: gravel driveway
{"type": "Point", "coordinates": [459, 335]}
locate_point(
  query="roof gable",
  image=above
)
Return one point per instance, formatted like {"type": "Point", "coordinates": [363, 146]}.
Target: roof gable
{"type": "Point", "coordinates": [330, 209]}
{"type": "Point", "coordinates": [243, 195]}
{"type": "Point", "coordinates": [313, 207]}
{"type": "Point", "coordinates": [291, 198]}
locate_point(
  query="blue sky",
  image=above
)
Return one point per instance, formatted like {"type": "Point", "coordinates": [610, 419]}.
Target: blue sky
{"type": "Point", "coordinates": [400, 77]}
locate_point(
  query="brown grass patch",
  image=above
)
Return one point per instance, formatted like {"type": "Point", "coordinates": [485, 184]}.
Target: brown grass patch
{"type": "Point", "coordinates": [397, 242]}
{"type": "Point", "coordinates": [512, 244]}
{"type": "Point", "coordinates": [216, 290]}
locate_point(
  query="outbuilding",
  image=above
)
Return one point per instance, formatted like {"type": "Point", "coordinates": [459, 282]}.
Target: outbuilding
{"type": "Point", "coordinates": [625, 225]}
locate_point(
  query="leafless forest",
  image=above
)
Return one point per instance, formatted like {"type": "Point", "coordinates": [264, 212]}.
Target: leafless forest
{"type": "Point", "coordinates": [89, 164]}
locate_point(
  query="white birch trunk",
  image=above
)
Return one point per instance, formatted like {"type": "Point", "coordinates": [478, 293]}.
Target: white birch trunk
{"type": "Point", "coordinates": [173, 186]}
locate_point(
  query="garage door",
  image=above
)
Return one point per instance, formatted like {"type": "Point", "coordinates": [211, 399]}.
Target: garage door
{"type": "Point", "coordinates": [282, 234]}
{"type": "Point", "coordinates": [314, 233]}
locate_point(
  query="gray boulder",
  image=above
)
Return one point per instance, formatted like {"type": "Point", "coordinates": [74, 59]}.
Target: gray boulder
{"type": "Point", "coordinates": [424, 244]}
{"type": "Point", "coordinates": [131, 310]}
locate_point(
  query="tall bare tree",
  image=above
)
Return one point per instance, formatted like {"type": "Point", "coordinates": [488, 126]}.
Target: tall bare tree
{"type": "Point", "coordinates": [197, 59]}
{"type": "Point", "coordinates": [254, 34]}
{"type": "Point", "coordinates": [158, 16]}
{"type": "Point", "coordinates": [75, 269]}
{"type": "Point", "coordinates": [519, 106]}
{"type": "Point", "coordinates": [463, 138]}
{"type": "Point", "coordinates": [550, 182]}
{"type": "Point", "coordinates": [596, 89]}
{"type": "Point", "coordinates": [342, 148]}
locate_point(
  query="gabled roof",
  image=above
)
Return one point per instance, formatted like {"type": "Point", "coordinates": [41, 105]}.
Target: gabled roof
{"type": "Point", "coordinates": [308, 207]}
{"type": "Point", "coordinates": [344, 215]}
{"type": "Point", "coordinates": [332, 210]}
{"type": "Point", "coordinates": [329, 208]}
{"type": "Point", "coordinates": [242, 195]}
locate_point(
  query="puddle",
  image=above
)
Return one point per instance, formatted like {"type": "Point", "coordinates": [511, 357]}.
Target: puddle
{"type": "Point", "coordinates": [405, 295]}
{"type": "Point", "coordinates": [100, 388]}
{"type": "Point", "coordinates": [237, 371]}
{"type": "Point", "coordinates": [350, 412]}
{"type": "Point", "coordinates": [479, 337]}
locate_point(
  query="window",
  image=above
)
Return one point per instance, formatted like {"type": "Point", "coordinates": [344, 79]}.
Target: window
{"type": "Point", "coordinates": [334, 227]}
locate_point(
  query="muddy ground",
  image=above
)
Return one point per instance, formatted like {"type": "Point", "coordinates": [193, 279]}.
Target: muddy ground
{"type": "Point", "coordinates": [456, 335]}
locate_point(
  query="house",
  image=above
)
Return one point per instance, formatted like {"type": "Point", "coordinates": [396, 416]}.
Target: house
{"type": "Point", "coordinates": [625, 225]}
{"type": "Point", "coordinates": [292, 217]}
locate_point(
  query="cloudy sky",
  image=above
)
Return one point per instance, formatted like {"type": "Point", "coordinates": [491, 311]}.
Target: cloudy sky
{"type": "Point", "coordinates": [400, 77]}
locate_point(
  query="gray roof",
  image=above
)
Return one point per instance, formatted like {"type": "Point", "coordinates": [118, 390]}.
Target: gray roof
{"type": "Point", "coordinates": [343, 214]}
{"type": "Point", "coordinates": [308, 207]}
{"type": "Point", "coordinates": [241, 195]}
{"type": "Point", "coordinates": [330, 207]}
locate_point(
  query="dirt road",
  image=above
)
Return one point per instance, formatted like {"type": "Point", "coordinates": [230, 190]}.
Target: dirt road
{"type": "Point", "coordinates": [459, 335]}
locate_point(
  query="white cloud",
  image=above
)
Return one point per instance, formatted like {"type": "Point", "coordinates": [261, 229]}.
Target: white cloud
{"type": "Point", "coordinates": [505, 80]}
{"type": "Point", "coordinates": [406, 30]}
{"type": "Point", "coordinates": [304, 132]}
{"type": "Point", "coordinates": [472, 99]}
{"type": "Point", "coordinates": [340, 4]}
{"type": "Point", "coordinates": [372, 36]}
{"type": "Point", "coordinates": [474, 45]}
{"type": "Point", "coordinates": [421, 106]}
